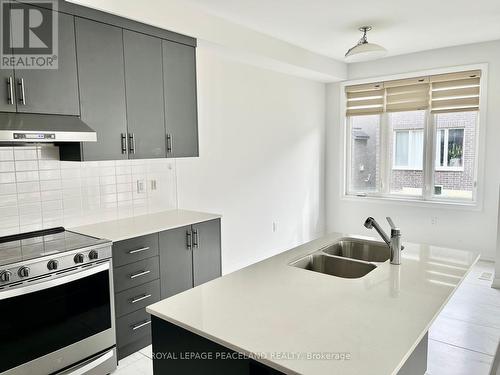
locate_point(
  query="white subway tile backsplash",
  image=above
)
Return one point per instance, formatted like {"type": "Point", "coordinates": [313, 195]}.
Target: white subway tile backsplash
{"type": "Point", "coordinates": [7, 177]}
{"type": "Point", "coordinates": [6, 153]}
{"type": "Point", "coordinates": [28, 187]}
{"type": "Point", "coordinates": [26, 165]}
{"type": "Point", "coordinates": [25, 153]}
{"type": "Point", "coordinates": [27, 176]}
{"type": "Point", "coordinates": [8, 189]}
{"type": "Point", "coordinates": [39, 191]}
{"type": "Point", "coordinates": [7, 166]}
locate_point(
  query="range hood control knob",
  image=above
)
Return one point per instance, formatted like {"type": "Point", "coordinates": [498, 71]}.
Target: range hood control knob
{"type": "Point", "coordinates": [93, 255]}
{"type": "Point", "coordinates": [52, 265]}
{"type": "Point", "coordinates": [5, 276]}
{"type": "Point", "coordinates": [23, 272]}
{"type": "Point", "coordinates": [79, 258]}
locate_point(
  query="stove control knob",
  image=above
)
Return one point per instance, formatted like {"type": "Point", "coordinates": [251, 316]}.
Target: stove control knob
{"type": "Point", "coordinates": [79, 258]}
{"type": "Point", "coordinates": [52, 265]}
{"type": "Point", "coordinates": [5, 276]}
{"type": "Point", "coordinates": [23, 272]}
{"type": "Point", "coordinates": [93, 255]}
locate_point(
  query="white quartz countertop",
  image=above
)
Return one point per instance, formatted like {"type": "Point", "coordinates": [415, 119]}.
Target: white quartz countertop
{"type": "Point", "coordinates": [122, 229]}
{"type": "Point", "coordinates": [272, 310]}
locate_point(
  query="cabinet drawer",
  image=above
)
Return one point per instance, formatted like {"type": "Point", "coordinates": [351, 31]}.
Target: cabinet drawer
{"type": "Point", "coordinates": [135, 274]}
{"type": "Point", "coordinates": [134, 249]}
{"type": "Point", "coordinates": [137, 298]}
{"type": "Point", "coordinates": [133, 327]}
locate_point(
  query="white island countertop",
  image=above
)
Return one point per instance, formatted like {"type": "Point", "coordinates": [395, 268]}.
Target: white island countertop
{"type": "Point", "coordinates": [272, 309]}
{"type": "Point", "coordinates": [122, 229]}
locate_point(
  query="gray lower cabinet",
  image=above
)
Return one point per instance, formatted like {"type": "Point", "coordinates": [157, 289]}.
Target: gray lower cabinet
{"type": "Point", "coordinates": [179, 81]}
{"type": "Point", "coordinates": [159, 265]}
{"type": "Point", "coordinates": [189, 256]}
{"type": "Point", "coordinates": [176, 261]}
{"type": "Point", "coordinates": [136, 285]}
{"type": "Point", "coordinates": [206, 251]}
{"type": "Point", "coordinates": [102, 88]}
{"type": "Point", "coordinates": [53, 91]}
{"type": "Point", "coordinates": [144, 88]}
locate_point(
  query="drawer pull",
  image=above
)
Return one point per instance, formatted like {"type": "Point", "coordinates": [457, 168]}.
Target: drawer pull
{"type": "Point", "coordinates": [138, 250]}
{"type": "Point", "coordinates": [138, 274]}
{"type": "Point", "coordinates": [137, 299]}
{"type": "Point", "coordinates": [140, 325]}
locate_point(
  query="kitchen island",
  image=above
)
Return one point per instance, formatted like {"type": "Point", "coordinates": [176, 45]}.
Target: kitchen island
{"type": "Point", "coordinates": [272, 318]}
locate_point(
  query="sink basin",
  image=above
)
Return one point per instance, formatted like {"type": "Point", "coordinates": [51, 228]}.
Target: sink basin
{"type": "Point", "coordinates": [334, 266]}
{"type": "Point", "coordinates": [369, 251]}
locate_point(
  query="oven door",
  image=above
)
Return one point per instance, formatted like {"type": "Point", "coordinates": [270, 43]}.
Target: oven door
{"type": "Point", "coordinates": [52, 323]}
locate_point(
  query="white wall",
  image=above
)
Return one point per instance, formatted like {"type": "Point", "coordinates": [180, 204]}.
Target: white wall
{"type": "Point", "coordinates": [458, 228]}
{"type": "Point", "coordinates": [261, 157]}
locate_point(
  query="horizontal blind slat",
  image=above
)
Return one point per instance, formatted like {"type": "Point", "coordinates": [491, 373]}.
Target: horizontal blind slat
{"type": "Point", "coordinates": [465, 91]}
{"type": "Point", "coordinates": [470, 82]}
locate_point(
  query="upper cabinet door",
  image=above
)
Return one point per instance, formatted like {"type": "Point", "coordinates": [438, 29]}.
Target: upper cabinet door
{"type": "Point", "coordinates": [53, 91]}
{"type": "Point", "coordinates": [206, 251]}
{"type": "Point", "coordinates": [179, 80]}
{"type": "Point", "coordinates": [102, 88]}
{"type": "Point", "coordinates": [144, 88]}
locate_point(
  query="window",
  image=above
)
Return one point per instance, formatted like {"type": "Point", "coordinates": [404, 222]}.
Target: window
{"type": "Point", "coordinates": [414, 138]}
{"type": "Point", "coordinates": [408, 149]}
{"type": "Point", "coordinates": [449, 150]}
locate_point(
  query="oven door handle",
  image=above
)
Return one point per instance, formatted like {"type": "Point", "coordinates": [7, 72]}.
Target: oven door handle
{"type": "Point", "coordinates": [52, 281]}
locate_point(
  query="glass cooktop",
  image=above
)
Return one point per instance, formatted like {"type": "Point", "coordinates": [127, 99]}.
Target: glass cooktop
{"type": "Point", "coordinates": [24, 246]}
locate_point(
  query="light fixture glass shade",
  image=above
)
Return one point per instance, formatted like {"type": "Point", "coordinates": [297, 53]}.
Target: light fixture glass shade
{"type": "Point", "coordinates": [364, 52]}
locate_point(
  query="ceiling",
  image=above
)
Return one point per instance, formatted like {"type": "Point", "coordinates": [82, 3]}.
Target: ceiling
{"type": "Point", "coordinates": [329, 27]}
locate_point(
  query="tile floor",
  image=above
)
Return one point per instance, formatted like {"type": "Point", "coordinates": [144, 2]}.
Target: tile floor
{"type": "Point", "coordinates": [462, 341]}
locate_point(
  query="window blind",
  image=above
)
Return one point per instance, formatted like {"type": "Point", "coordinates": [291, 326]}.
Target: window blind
{"type": "Point", "coordinates": [455, 92]}
{"type": "Point", "coordinates": [440, 93]}
{"type": "Point", "coordinates": [365, 99]}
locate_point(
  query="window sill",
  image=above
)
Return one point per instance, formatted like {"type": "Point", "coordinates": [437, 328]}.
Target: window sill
{"type": "Point", "coordinates": [413, 201]}
{"type": "Point", "coordinates": [407, 169]}
{"type": "Point", "coordinates": [449, 169]}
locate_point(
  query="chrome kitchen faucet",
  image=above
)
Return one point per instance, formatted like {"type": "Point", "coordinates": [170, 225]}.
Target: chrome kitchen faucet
{"type": "Point", "coordinates": [394, 242]}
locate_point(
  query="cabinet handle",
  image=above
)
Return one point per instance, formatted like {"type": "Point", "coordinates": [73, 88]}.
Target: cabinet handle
{"type": "Point", "coordinates": [140, 325]}
{"type": "Point", "coordinates": [189, 239]}
{"type": "Point", "coordinates": [10, 91]}
{"type": "Point", "coordinates": [132, 142]}
{"type": "Point", "coordinates": [22, 93]}
{"type": "Point", "coordinates": [196, 239]}
{"type": "Point", "coordinates": [169, 144]}
{"type": "Point", "coordinates": [138, 274]}
{"type": "Point", "coordinates": [124, 143]}
{"type": "Point", "coordinates": [140, 298]}
{"type": "Point", "coordinates": [138, 250]}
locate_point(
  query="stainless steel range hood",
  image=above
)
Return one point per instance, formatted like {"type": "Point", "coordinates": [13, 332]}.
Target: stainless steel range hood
{"type": "Point", "coordinates": [35, 128]}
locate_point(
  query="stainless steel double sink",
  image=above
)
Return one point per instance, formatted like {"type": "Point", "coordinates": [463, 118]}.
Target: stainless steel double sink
{"type": "Point", "coordinates": [349, 258]}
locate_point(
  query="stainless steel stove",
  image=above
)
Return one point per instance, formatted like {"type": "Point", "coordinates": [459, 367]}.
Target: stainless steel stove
{"type": "Point", "coordinates": [56, 304]}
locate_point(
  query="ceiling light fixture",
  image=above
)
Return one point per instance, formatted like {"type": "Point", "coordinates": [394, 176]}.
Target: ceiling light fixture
{"type": "Point", "coordinates": [364, 51]}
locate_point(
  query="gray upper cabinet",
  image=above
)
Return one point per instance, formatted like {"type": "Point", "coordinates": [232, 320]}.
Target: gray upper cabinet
{"type": "Point", "coordinates": [176, 263]}
{"type": "Point", "coordinates": [144, 93]}
{"type": "Point", "coordinates": [102, 88]}
{"type": "Point", "coordinates": [206, 251]}
{"type": "Point", "coordinates": [7, 87]}
{"type": "Point", "coordinates": [53, 91]}
{"type": "Point", "coordinates": [179, 80]}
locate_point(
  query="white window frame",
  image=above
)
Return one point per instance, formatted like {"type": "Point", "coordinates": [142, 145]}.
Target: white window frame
{"type": "Point", "coordinates": [446, 167]}
{"type": "Point", "coordinates": [411, 134]}
{"type": "Point", "coordinates": [427, 198]}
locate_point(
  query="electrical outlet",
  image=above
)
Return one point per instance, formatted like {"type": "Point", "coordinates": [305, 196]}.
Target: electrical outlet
{"type": "Point", "coordinates": [275, 226]}
{"type": "Point", "coordinates": [434, 220]}
{"type": "Point", "coordinates": [140, 186]}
